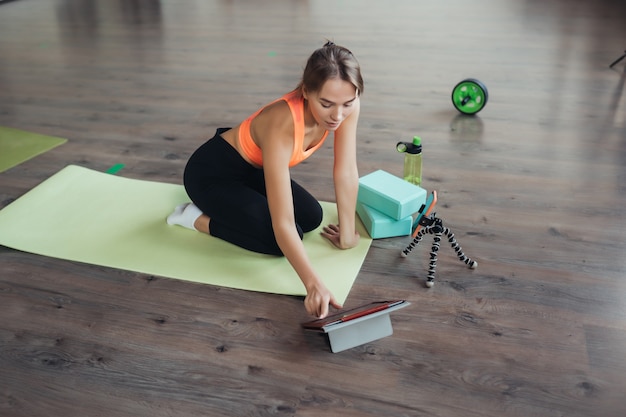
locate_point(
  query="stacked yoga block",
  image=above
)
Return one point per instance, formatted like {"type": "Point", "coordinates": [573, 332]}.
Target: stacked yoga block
{"type": "Point", "coordinates": [386, 204]}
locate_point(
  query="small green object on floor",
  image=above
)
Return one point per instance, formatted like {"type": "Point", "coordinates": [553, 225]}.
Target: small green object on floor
{"type": "Point", "coordinates": [115, 169]}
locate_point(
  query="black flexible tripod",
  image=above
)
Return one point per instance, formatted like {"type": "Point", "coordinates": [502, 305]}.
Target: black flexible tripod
{"type": "Point", "coordinates": [433, 225]}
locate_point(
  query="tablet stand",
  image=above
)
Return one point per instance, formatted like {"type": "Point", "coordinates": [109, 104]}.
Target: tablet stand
{"type": "Point", "coordinates": [433, 225]}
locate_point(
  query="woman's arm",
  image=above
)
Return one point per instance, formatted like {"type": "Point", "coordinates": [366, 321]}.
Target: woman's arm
{"type": "Point", "coordinates": [346, 179]}
{"type": "Point", "coordinates": [277, 147]}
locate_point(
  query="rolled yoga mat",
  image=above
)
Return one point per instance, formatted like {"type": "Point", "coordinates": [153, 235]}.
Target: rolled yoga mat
{"type": "Point", "coordinates": [17, 146]}
{"type": "Point", "coordinates": [97, 218]}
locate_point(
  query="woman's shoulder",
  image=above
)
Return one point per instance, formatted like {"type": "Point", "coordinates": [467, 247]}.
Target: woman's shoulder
{"type": "Point", "coordinates": [281, 108]}
{"type": "Point", "coordinates": [274, 120]}
{"type": "Point", "coordinates": [286, 100]}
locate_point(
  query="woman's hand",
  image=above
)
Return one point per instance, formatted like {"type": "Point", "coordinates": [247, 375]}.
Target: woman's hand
{"type": "Point", "coordinates": [331, 232]}
{"type": "Point", "coordinates": [317, 300]}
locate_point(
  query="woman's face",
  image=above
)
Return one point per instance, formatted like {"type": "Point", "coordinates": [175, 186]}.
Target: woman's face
{"type": "Point", "coordinates": [333, 103]}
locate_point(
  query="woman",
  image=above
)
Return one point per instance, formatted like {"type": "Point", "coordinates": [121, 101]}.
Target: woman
{"type": "Point", "coordinates": [239, 180]}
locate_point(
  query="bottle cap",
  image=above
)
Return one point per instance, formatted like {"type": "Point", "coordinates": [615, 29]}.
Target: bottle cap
{"type": "Point", "coordinates": [414, 147]}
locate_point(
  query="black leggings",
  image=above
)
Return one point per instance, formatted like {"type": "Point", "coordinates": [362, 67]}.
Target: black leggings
{"type": "Point", "coordinates": [232, 193]}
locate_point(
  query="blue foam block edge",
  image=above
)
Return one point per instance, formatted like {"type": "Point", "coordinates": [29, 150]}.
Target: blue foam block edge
{"type": "Point", "coordinates": [381, 226]}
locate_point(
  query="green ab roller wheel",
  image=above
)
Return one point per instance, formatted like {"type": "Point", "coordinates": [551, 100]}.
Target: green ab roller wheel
{"type": "Point", "coordinates": [469, 96]}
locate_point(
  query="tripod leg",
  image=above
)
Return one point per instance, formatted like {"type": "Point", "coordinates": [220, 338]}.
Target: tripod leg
{"type": "Point", "coordinates": [405, 252]}
{"type": "Point", "coordinates": [433, 260]}
{"type": "Point", "coordinates": [459, 252]}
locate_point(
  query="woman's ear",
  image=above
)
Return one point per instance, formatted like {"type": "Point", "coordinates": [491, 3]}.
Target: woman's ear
{"type": "Point", "coordinates": [305, 93]}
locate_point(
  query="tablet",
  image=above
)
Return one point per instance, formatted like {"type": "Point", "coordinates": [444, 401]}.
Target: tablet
{"type": "Point", "coordinates": [352, 314]}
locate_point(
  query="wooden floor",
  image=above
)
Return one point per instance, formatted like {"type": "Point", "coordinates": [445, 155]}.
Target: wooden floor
{"type": "Point", "coordinates": [533, 188]}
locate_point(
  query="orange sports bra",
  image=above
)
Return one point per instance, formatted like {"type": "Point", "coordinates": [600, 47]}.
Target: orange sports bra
{"type": "Point", "coordinates": [296, 105]}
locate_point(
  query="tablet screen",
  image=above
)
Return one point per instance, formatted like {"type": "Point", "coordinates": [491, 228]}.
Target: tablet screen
{"type": "Point", "coordinates": [347, 315]}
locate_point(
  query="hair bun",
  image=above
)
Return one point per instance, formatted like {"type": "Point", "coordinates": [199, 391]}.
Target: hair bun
{"type": "Point", "coordinates": [329, 44]}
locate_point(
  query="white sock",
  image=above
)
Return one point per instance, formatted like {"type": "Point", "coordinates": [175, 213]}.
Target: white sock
{"type": "Point", "coordinates": [185, 215]}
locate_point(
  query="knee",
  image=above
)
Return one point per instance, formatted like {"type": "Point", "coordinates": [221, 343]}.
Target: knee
{"type": "Point", "coordinates": [312, 219]}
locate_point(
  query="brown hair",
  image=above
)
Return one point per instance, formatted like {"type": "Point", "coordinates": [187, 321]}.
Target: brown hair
{"type": "Point", "coordinates": [331, 61]}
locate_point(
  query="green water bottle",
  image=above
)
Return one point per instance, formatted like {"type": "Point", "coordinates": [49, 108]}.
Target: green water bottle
{"type": "Point", "coordinates": [412, 160]}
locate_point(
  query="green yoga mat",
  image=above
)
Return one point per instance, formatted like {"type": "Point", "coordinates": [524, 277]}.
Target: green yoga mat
{"type": "Point", "coordinates": [97, 218]}
{"type": "Point", "coordinates": [17, 146]}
